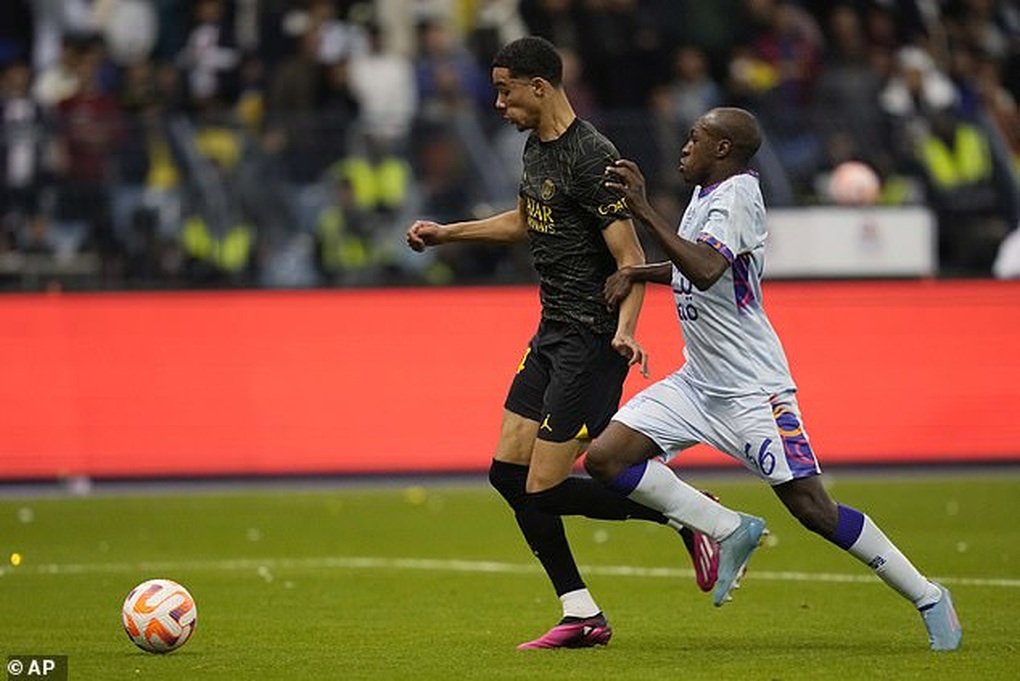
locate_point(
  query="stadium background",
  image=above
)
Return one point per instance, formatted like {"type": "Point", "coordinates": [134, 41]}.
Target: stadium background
{"type": "Point", "coordinates": [204, 205]}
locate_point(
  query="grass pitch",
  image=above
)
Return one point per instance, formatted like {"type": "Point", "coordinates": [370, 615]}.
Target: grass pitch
{"type": "Point", "coordinates": [434, 582]}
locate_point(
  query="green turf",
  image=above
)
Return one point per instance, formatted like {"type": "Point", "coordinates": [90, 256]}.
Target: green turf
{"type": "Point", "coordinates": [447, 587]}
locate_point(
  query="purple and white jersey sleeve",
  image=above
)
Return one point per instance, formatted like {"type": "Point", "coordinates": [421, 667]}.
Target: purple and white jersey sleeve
{"type": "Point", "coordinates": [730, 345]}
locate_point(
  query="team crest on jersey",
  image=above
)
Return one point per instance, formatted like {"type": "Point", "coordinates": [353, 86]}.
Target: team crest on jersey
{"type": "Point", "coordinates": [548, 190]}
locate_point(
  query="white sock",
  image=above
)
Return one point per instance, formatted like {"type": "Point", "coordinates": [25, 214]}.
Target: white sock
{"type": "Point", "coordinates": [579, 604]}
{"type": "Point", "coordinates": [661, 489]}
{"type": "Point", "coordinates": [875, 550]}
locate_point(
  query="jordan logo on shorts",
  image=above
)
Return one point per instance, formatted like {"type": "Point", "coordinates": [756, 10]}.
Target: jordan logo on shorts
{"type": "Point", "coordinates": [545, 424]}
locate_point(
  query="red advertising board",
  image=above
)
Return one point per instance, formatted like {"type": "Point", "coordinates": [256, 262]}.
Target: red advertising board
{"type": "Point", "coordinates": [406, 380]}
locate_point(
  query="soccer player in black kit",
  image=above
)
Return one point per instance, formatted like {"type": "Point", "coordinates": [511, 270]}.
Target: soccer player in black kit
{"type": "Point", "coordinates": [569, 383]}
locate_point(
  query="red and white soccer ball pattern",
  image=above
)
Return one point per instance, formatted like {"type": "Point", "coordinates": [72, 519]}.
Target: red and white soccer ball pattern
{"type": "Point", "coordinates": [854, 184]}
{"type": "Point", "coordinates": [159, 615]}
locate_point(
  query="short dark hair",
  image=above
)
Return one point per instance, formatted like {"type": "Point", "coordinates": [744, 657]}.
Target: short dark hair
{"type": "Point", "coordinates": [531, 57]}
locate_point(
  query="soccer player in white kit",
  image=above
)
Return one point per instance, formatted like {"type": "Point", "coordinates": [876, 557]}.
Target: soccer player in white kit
{"type": "Point", "coordinates": [734, 390]}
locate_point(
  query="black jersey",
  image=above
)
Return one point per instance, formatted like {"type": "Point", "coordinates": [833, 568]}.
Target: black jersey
{"type": "Point", "coordinates": [567, 206]}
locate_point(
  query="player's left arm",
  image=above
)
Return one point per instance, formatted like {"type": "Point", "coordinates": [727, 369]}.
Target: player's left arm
{"type": "Point", "coordinates": [621, 238]}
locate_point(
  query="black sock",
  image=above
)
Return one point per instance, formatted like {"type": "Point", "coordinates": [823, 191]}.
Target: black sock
{"type": "Point", "coordinates": [543, 531]}
{"type": "Point", "coordinates": [584, 496]}
{"type": "Point", "coordinates": [548, 541]}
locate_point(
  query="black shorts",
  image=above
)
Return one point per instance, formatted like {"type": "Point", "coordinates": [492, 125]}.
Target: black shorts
{"type": "Point", "coordinates": [569, 381]}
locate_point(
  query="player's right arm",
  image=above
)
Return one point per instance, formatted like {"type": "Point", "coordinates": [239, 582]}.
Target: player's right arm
{"type": "Point", "coordinates": [700, 263]}
{"type": "Point", "coordinates": [619, 283]}
{"type": "Point", "coordinates": [500, 228]}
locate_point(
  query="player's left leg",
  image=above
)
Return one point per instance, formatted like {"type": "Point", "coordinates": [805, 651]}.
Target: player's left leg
{"type": "Point", "coordinates": [807, 499]}
{"type": "Point", "coordinates": [858, 535]}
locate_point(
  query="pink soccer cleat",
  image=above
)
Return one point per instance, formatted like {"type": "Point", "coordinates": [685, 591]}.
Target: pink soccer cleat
{"type": "Point", "coordinates": [704, 554]}
{"type": "Point", "coordinates": [574, 632]}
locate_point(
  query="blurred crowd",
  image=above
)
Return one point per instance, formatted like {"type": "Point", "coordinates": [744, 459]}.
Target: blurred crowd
{"type": "Point", "coordinates": [289, 143]}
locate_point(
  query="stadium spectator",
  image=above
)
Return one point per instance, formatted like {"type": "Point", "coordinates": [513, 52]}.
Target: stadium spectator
{"type": "Point", "coordinates": [384, 85]}
{"type": "Point", "coordinates": [337, 40]}
{"type": "Point", "coordinates": [734, 390]}
{"type": "Point", "coordinates": [397, 20]}
{"type": "Point", "coordinates": [218, 241]}
{"type": "Point", "coordinates": [446, 181]}
{"type": "Point", "coordinates": [339, 114]}
{"type": "Point", "coordinates": [209, 56]}
{"type": "Point", "coordinates": [495, 23]}
{"type": "Point", "coordinates": [692, 89]}
{"type": "Point", "coordinates": [91, 128]}
{"type": "Point", "coordinates": [444, 68]}
{"type": "Point", "coordinates": [129, 29]}
{"type": "Point", "coordinates": [986, 25]}
{"type": "Point", "coordinates": [844, 110]}
{"type": "Point", "coordinates": [917, 88]}
{"type": "Point", "coordinates": [174, 20]}
{"type": "Point", "coordinates": [59, 80]}
{"type": "Point", "coordinates": [263, 188]}
{"type": "Point", "coordinates": [678, 103]}
{"type": "Point", "coordinates": [576, 84]}
{"type": "Point", "coordinates": [320, 138]}
{"type": "Point", "coordinates": [295, 86]}
{"type": "Point", "coordinates": [54, 19]}
{"type": "Point", "coordinates": [147, 194]}
{"type": "Point", "coordinates": [1000, 106]}
{"type": "Point", "coordinates": [25, 139]}
{"type": "Point", "coordinates": [710, 26]}
{"type": "Point", "coordinates": [295, 92]}
{"type": "Point", "coordinates": [170, 88]}
{"type": "Point", "coordinates": [447, 185]}
{"type": "Point", "coordinates": [250, 106]}
{"type": "Point", "coordinates": [344, 252]}
{"type": "Point", "coordinates": [773, 71]}
{"type": "Point", "coordinates": [623, 53]}
{"type": "Point", "coordinates": [381, 181]}
{"type": "Point", "coordinates": [555, 20]}
{"type": "Point", "coordinates": [572, 373]}
{"type": "Point", "coordinates": [958, 168]}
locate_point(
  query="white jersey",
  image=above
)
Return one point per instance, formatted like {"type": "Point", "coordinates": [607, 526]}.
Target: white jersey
{"type": "Point", "coordinates": [730, 346]}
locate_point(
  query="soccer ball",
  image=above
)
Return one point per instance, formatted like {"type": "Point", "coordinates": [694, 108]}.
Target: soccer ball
{"type": "Point", "coordinates": [159, 615]}
{"type": "Point", "coordinates": [854, 184]}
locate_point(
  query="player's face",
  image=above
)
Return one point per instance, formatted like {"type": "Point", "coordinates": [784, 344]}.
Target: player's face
{"type": "Point", "coordinates": [515, 99]}
{"type": "Point", "coordinates": [698, 154]}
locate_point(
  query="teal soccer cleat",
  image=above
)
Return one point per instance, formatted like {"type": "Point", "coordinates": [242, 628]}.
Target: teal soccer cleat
{"type": "Point", "coordinates": [734, 552]}
{"type": "Point", "coordinates": [944, 630]}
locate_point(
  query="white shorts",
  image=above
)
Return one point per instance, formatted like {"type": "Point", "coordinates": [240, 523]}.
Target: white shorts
{"type": "Point", "coordinates": [763, 432]}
